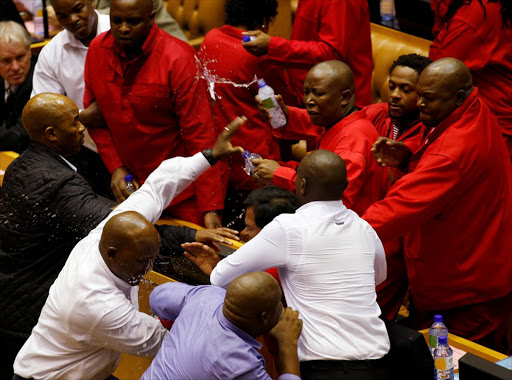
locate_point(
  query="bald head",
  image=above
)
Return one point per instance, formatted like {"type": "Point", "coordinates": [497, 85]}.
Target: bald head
{"type": "Point", "coordinates": [321, 176]}
{"type": "Point", "coordinates": [442, 87]}
{"type": "Point", "coordinates": [129, 244]}
{"type": "Point", "coordinates": [329, 93]}
{"type": "Point", "coordinates": [253, 303]}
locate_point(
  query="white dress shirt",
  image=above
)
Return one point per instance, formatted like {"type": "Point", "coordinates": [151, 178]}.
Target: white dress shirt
{"type": "Point", "coordinates": [91, 316]}
{"type": "Point", "coordinates": [329, 261]}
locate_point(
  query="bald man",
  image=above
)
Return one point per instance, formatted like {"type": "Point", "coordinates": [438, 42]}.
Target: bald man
{"type": "Point", "coordinates": [214, 331]}
{"type": "Point", "coordinates": [329, 261]}
{"type": "Point", "coordinates": [145, 84]}
{"type": "Point", "coordinates": [332, 121]}
{"type": "Point", "coordinates": [91, 315]}
{"type": "Point", "coordinates": [454, 208]}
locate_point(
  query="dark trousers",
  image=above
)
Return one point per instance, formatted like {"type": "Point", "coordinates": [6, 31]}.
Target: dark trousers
{"type": "Point", "coordinates": [345, 369]}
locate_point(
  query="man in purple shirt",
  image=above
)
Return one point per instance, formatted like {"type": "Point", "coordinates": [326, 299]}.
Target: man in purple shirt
{"type": "Point", "coordinates": [214, 331]}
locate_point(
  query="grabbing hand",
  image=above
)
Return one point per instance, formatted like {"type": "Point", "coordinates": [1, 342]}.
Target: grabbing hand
{"type": "Point", "coordinates": [223, 145]}
{"type": "Point", "coordinates": [264, 170]}
{"type": "Point", "coordinates": [118, 184]}
{"type": "Point", "coordinates": [288, 329]}
{"type": "Point", "coordinates": [202, 255]}
{"type": "Point", "coordinates": [265, 113]}
{"type": "Point", "coordinates": [259, 46]}
{"type": "Point", "coordinates": [392, 153]}
{"type": "Point", "coordinates": [218, 235]}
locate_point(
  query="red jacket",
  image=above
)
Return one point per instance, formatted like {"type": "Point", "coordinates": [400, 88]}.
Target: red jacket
{"type": "Point", "coordinates": [479, 40]}
{"type": "Point", "coordinates": [326, 30]}
{"type": "Point", "coordinates": [155, 109]}
{"type": "Point", "coordinates": [455, 209]}
{"type": "Point", "coordinates": [223, 55]}
{"type": "Point", "coordinates": [351, 138]}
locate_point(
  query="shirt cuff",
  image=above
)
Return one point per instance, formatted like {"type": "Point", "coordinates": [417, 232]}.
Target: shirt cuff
{"type": "Point", "coordinates": [285, 177]}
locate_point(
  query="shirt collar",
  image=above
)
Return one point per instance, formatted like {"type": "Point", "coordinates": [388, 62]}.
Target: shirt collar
{"type": "Point", "coordinates": [224, 322]}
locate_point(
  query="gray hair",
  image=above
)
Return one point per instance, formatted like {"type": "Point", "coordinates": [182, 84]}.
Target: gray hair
{"type": "Point", "coordinates": [12, 32]}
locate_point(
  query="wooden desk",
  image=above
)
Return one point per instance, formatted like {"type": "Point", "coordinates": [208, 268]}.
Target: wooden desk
{"type": "Point", "coordinates": [5, 160]}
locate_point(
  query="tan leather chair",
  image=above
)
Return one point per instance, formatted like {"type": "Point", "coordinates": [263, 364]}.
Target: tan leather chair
{"type": "Point", "coordinates": [198, 17]}
{"type": "Point", "coordinates": [387, 45]}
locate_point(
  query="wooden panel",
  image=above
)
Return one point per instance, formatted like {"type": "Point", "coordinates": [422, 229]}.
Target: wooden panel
{"type": "Point", "coordinates": [5, 160]}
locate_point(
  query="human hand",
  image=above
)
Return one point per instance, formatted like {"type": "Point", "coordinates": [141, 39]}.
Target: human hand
{"type": "Point", "coordinates": [264, 112]}
{"type": "Point", "coordinates": [118, 184]}
{"type": "Point", "coordinates": [288, 329]}
{"type": "Point", "coordinates": [223, 145]}
{"type": "Point", "coordinates": [92, 117]}
{"type": "Point", "coordinates": [264, 170]}
{"type": "Point", "coordinates": [202, 255]}
{"type": "Point", "coordinates": [392, 153]}
{"type": "Point", "coordinates": [212, 219]}
{"type": "Point", "coordinates": [218, 235]}
{"type": "Point", "coordinates": [259, 46]}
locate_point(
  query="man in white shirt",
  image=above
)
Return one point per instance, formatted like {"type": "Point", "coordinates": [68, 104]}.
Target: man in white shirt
{"type": "Point", "coordinates": [329, 261]}
{"type": "Point", "coordinates": [91, 314]}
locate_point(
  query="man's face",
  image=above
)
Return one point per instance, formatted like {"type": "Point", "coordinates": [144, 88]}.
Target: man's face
{"type": "Point", "coordinates": [322, 98]}
{"type": "Point", "coordinates": [435, 99]}
{"type": "Point", "coordinates": [402, 92]}
{"type": "Point", "coordinates": [130, 23]}
{"type": "Point", "coordinates": [132, 263]}
{"type": "Point", "coordinates": [77, 17]}
{"type": "Point", "coordinates": [14, 62]}
{"type": "Point", "coordinates": [251, 229]}
{"type": "Point", "coordinates": [70, 131]}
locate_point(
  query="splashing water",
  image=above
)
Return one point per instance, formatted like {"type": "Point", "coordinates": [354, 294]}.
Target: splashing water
{"type": "Point", "coordinates": [212, 79]}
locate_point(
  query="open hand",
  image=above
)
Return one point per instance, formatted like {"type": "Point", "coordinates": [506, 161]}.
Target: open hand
{"type": "Point", "coordinates": [223, 147]}
{"type": "Point", "coordinates": [202, 255]}
{"type": "Point", "coordinates": [211, 237]}
{"type": "Point", "coordinates": [392, 153]}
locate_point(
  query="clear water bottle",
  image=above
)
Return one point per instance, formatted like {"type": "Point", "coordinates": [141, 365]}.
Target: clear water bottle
{"type": "Point", "coordinates": [129, 183]}
{"type": "Point", "coordinates": [443, 360]}
{"type": "Point", "coordinates": [269, 101]}
{"type": "Point", "coordinates": [387, 10]}
{"type": "Point", "coordinates": [37, 12]}
{"type": "Point", "coordinates": [437, 329]}
{"type": "Point", "coordinates": [247, 38]}
{"type": "Point", "coordinates": [248, 157]}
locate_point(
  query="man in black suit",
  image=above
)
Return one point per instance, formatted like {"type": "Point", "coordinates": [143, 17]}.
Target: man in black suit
{"type": "Point", "coordinates": [16, 69]}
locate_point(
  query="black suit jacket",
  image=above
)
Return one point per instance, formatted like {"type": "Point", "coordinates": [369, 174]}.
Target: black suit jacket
{"type": "Point", "coordinates": [12, 134]}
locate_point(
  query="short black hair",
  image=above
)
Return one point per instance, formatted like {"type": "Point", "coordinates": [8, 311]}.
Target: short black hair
{"type": "Point", "coordinates": [269, 202]}
{"type": "Point", "coordinates": [414, 61]}
{"type": "Point", "coordinates": [250, 13]}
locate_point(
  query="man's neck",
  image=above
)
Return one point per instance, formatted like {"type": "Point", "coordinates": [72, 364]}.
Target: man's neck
{"type": "Point", "coordinates": [94, 32]}
{"type": "Point", "coordinates": [405, 122]}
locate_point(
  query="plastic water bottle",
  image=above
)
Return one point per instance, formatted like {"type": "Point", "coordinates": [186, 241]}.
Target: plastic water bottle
{"type": "Point", "coordinates": [437, 329]}
{"type": "Point", "coordinates": [443, 360]}
{"type": "Point", "coordinates": [37, 12]}
{"type": "Point", "coordinates": [269, 101]}
{"type": "Point", "coordinates": [247, 38]}
{"type": "Point", "coordinates": [129, 183]}
{"type": "Point", "coordinates": [248, 157]}
{"type": "Point", "coordinates": [387, 10]}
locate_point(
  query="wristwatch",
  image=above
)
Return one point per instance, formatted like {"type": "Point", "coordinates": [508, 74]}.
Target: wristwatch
{"type": "Point", "coordinates": [208, 154]}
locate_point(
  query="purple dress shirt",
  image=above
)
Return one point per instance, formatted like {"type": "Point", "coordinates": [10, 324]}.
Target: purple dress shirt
{"type": "Point", "coordinates": [202, 343]}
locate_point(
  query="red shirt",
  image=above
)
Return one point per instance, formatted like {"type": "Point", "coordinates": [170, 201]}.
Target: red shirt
{"type": "Point", "coordinates": [327, 30]}
{"type": "Point", "coordinates": [351, 138]}
{"type": "Point", "coordinates": [479, 40]}
{"type": "Point", "coordinates": [155, 108]}
{"type": "Point", "coordinates": [455, 209]}
{"type": "Point", "coordinates": [223, 55]}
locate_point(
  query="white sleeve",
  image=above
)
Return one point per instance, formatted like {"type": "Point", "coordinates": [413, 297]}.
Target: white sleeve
{"type": "Point", "coordinates": [127, 330]}
{"type": "Point", "coordinates": [381, 269]}
{"type": "Point", "coordinates": [45, 79]}
{"type": "Point", "coordinates": [266, 250]}
{"type": "Point", "coordinates": [162, 186]}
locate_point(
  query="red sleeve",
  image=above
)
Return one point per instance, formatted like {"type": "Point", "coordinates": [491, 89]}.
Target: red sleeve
{"type": "Point", "coordinates": [415, 198]}
{"type": "Point", "coordinates": [332, 39]}
{"type": "Point", "coordinates": [460, 41]}
{"type": "Point", "coordinates": [356, 168]}
{"type": "Point", "coordinates": [193, 111]}
{"type": "Point", "coordinates": [101, 136]}
{"type": "Point", "coordinates": [299, 127]}
{"type": "Point", "coordinates": [285, 177]}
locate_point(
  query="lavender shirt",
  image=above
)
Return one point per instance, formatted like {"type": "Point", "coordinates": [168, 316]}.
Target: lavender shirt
{"type": "Point", "coordinates": [202, 343]}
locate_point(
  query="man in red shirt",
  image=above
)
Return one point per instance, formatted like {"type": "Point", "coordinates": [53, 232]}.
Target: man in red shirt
{"type": "Point", "coordinates": [145, 84]}
{"type": "Point", "coordinates": [322, 30]}
{"type": "Point", "coordinates": [333, 119]}
{"type": "Point", "coordinates": [479, 33]}
{"type": "Point", "coordinates": [454, 209]}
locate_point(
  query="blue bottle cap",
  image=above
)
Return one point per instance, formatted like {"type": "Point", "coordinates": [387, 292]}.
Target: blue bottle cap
{"type": "Point", "coordinates": [246, 154]}
{"type": "Point", "coordinates": [246, 38]}
{"type": "Point", "coordinates": [128, 178]}
{"type": "Point", "coordinates": [261, 83]}
{"type": "Point", "coordinates": [443, 339]}
{"type": "Point", "coordinates": [438, 318]}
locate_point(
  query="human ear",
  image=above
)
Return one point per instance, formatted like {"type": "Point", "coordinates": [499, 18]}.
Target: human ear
{"type": "Point", "coordinates": [111, 252]}
{"type": "Point", "coordinates": [461, 96]}
{"type": "Point", "coordinates": [346, 96]}
{"type": "Point", "coordinates": [49, 133]}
